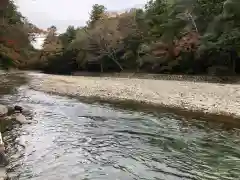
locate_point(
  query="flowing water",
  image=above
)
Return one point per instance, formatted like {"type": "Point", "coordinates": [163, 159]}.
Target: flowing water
{"type": "Point", "coordinates": [72, 140]}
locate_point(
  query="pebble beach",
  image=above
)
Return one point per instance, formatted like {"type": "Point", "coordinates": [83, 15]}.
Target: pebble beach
{"type": "Point", "coordinates": [214, 98]}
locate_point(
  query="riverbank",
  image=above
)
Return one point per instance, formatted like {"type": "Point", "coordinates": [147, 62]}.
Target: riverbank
{"type": "Point", "coordinates": [174, 77]}
{"type": "Point", "coordinates": [220, 99]}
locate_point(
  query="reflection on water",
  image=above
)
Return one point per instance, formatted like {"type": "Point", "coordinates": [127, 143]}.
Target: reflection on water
{"type": "Point", "coordinates": [73, 141]}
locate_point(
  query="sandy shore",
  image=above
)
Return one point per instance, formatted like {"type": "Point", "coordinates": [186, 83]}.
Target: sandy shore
{"type": "Point", "coordinates": [205, 97]}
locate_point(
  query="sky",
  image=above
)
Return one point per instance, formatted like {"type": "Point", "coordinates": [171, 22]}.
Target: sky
{"type": "Point", "coordinates": [62, 13]}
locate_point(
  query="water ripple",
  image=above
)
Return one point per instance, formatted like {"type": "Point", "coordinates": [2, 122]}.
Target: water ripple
{"type": "Point", "coordinates": [72, 140]}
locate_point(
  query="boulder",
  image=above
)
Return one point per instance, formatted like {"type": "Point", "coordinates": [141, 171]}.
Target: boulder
{"type": "Point", "coordinates": [20, 118]}
{"type": "Point", "coordinates": [3, 110]}
{"type": "Point", "coordinates": [18, 108]}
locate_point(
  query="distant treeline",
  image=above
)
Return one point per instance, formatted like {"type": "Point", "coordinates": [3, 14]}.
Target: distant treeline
{"type": "Point", "coordinates": [184, 37]}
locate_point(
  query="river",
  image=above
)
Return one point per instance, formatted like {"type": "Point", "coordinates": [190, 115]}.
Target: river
{"type": "Point", "coordinates": [72, 140]}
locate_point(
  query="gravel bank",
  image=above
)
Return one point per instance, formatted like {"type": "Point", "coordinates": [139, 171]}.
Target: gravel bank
{"type": "Point", "coordinates": [194, 96]}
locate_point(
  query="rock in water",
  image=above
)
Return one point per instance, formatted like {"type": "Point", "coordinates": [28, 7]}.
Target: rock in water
{"type": "Point", "coordinates": [20, 118]}
{"type": "Point", "coordinates": [18, 109]}
{"type": "Point", "coordinates": [3, 110]}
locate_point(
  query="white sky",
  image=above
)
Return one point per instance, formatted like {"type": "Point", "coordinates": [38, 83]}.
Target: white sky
{"type": "Point", "coordinates": [62, 13]}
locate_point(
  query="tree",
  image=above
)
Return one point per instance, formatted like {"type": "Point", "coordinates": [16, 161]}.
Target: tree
{"type": "Point", "coordinates": [51, 42]}
{"type": "Point", "coordinates": [165, 36]}
{"type": "Point", "coordinates": [221, 41]}
{"type": "Point", "coordinates": [67, 37]}
{"type": "Point", "coordinates": [96, 14]}
{"type": "Point", "coordinates": [16, 34]}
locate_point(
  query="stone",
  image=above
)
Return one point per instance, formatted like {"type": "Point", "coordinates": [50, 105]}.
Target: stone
{"type": "Point", "coordinates": [18, 108]}
{"type": "Point", "coordinates": [20, 118]}
{"type": "Point", "coordinates": [3, 110]}
{"type": "Point", "coordinates": [3, 173]}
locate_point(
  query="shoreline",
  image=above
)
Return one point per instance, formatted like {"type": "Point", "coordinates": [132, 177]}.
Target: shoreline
{"type": "Point", "coordinates": [202, 98]}
{"type": "Point", "coordinates": [234, 79]}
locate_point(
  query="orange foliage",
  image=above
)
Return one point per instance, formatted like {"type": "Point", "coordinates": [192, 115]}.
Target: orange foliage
{"type": "Point", "coordinates": [187, 43]}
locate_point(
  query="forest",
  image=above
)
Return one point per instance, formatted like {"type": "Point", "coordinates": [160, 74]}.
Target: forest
{"type": "Point", "coordinates": [166, 36]}
{"type": "Point", "coordinates": [16, 35]}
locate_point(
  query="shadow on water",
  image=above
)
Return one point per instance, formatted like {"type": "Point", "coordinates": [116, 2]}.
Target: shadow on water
{"type": "Point", "coordinates": [225, 121]}
{"type": "Point", "coordinates": [72, 140]}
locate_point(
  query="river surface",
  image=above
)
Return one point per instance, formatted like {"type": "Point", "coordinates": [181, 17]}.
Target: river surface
{"type": "Point", "coordinates": [72, 140]}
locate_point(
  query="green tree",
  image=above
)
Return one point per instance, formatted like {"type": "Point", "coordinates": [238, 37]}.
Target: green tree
{"type": "Point", "coordinates": [67, 37]}
{"type": "Point", "coordinates": [221, 42]}
{"type": "Point", "coordinates": [96, 14]}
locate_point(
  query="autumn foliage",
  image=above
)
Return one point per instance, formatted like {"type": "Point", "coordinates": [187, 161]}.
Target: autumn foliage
{"type": "Point", "coordinates": [163, 37]}
{"type": "Point", "coordinates": [16, 35]}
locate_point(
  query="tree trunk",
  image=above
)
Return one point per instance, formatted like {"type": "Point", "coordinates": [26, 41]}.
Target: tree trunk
{"type": "Point", "coordinates": [119, 65]}
{"type": "Point", "coordinates": [114, 59]}
{"type": "Point", "coordinates": [101, 64]}
{"type": "Point", "coordinates": [193, 21]}
{"type": "Point", "coordinates": [233, 59]}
